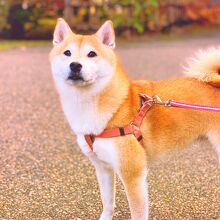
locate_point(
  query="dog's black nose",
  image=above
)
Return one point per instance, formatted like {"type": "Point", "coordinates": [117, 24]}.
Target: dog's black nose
{"type": "Point", "coordinates": [75, 67]}
{"type": "Point", "coordinates": [75, 73]}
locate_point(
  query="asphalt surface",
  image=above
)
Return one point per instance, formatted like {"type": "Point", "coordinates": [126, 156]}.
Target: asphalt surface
{"type": "Point", "coordinates": [43, 174]}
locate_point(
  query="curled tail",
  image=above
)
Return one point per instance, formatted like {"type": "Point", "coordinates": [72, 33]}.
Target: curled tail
{"type": "Point", "coordinates": [205, 66]}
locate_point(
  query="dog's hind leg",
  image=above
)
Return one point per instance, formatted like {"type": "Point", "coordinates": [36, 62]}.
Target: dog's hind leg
{"type": "Point", "coordinates": [214, 138]}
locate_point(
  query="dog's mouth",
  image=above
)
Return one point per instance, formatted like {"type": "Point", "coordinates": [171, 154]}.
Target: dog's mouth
{"type": "Point", "coordinates": [75, 78]}
{"type": "Point", "coordinates": [79, 81]}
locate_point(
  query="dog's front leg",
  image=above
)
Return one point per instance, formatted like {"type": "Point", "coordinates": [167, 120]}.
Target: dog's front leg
{"type": "Point", "coordinates": [133, 173]}
{"type": "Point", "coordinates": [106, 180]}
{"type": "Point", "coordinates": [137, 193]}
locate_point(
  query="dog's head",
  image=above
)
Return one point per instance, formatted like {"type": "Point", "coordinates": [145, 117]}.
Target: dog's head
{"type": "Point", "coordinates": [83, 60]}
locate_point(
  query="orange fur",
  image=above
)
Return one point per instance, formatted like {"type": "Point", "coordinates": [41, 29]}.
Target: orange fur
{"type": "Point", "coordinates": [163, 127]}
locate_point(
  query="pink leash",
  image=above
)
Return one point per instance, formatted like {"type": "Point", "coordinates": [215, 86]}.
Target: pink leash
{"type": "Point", "coordinates": [170, 103]}
{"type": "Point", "coordinates": [196, 107]}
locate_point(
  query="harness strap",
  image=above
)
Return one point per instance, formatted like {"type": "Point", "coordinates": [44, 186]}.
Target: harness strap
{"type": "Point", "coordinates": [132, 128]}
{"type": "Point", "coordinates": [141, 114]}
{"type": "Point", "coordinates": [89, 140]}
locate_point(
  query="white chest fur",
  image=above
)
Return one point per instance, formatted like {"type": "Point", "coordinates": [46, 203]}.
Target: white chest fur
{"type": "Point", "coordinates": [80, 109]}
{"type": "Point", "coordinates": [104, 150]}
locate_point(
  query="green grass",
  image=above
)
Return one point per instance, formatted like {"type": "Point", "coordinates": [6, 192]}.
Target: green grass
{"type": "Point", "coordinates": [9, 44]}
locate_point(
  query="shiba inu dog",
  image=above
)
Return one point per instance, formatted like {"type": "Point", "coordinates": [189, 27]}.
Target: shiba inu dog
{"type": "Point", "coordinates": [96, 94]}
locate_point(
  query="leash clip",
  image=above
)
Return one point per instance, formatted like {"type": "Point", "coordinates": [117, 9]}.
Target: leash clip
{"type": "Point", "coordinates": [167, 103]}
{"type": "Point", "coordinates": [156, 100]}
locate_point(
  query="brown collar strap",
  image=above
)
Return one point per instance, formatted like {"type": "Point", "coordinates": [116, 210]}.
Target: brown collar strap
{"type": "Point", "coordinates": [132, 128]}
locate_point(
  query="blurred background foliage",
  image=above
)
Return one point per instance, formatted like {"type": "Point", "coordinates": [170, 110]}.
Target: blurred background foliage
{"type": "Point", "coordinates": [35, 19]}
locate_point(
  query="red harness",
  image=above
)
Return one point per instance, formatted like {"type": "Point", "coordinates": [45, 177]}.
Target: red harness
{"type": "Point", "coordinates": [134, 127]}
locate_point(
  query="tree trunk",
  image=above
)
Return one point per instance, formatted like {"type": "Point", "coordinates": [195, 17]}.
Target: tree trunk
{"type": "Point", "coordinates": [68, 11]}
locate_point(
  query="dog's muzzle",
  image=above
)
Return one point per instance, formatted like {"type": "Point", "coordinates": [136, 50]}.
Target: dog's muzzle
{"type": "Point", "coordinates": [75, 73]}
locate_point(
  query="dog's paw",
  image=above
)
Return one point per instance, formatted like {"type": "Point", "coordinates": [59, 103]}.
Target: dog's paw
{"type": "Point", "coordinates": [105, 216]}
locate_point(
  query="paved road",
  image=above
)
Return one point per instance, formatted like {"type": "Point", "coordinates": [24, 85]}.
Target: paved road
{"type": "Point", "coordinates": [43, 174]}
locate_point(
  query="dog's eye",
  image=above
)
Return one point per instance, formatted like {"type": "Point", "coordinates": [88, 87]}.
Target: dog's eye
{"type": "Point", "coordinates": [92, 54]}
{"type": "Point", "coordinates": [67, 53]}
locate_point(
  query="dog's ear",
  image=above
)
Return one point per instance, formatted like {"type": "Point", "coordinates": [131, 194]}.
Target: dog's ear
{"type": "Point", "coordinates": [62, 30]}
{"type": "Point", "coordinates": [106, 34]}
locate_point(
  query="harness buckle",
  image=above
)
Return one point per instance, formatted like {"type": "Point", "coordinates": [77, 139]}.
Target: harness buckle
{"type": "Point", "coordinates": [136, 128]}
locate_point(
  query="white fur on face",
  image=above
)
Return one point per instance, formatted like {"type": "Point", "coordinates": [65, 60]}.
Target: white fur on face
{"type": "Point", "coordinates": [60, 64]}
{"type": "Point", "coordinates": [77, 99]}
{"type": "Point", "coordinates": [95, 71]}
